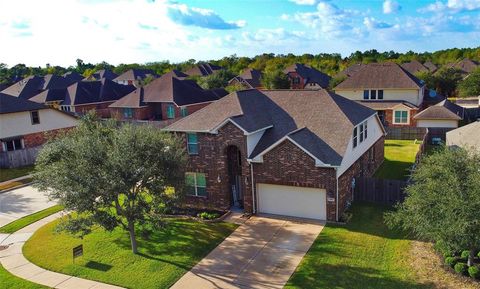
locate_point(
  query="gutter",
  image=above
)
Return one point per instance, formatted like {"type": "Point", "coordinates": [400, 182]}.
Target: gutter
{"type": "Point", "coordinates": [336, 200]}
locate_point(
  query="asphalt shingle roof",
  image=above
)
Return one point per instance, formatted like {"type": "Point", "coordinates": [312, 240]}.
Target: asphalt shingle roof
{"type": "Point", "coordinates": [320, 121]}
{"type": "Point", "coordinates": [203, 69]}
{"type": "Point", "coordinates": [442, 110]}
{"type": "Point", "coordinates": [135, 74]}
{"type": "Point", "coordinates": [84, 92]}
{"type": "Point", "coordinates": [381, 75]}
{"type": "Point", "coordinates": [11, 104]}
{"type": "Point", "coordinates": [250, 77]}
{"type": "Point", "coordinates": [310, 74]}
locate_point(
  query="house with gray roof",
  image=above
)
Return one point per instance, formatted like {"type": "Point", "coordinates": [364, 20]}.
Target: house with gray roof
{"type": "Point", "coordinates": [396, 94]}
{"type": "Point", "coordinates": [168, 97]}
{"type": "Point", "coordinates": [444, 114]}
{"type": "Point", "coordinates": [25, 126]}
{"type": "Point", "coordinates": [134, 76]}
{"type": "Point", "coordinates": [203, 69]}
{"type": "Point", "coordinates": [249, 78]}
{"type": "Point", "coordinates": [306, 77]}
{"type": "Point", "coordinates": [285, 152]}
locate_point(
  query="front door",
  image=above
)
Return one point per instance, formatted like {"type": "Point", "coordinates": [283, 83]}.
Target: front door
{"type": "Point", "coordinates": [234, 159]}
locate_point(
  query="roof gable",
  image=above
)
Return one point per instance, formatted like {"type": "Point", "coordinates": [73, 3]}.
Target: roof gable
{"type": "Point", "coordinates": [12, 104]}
{"type": "Point", "coordinates": [381, 76]}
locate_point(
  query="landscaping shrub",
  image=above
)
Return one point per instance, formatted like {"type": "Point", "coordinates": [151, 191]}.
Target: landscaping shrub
{"type": "Point", "coordinates": [451, 261]}
{"type": "Point", "coordinates": [207, 216]}
{"type": "Point", "coordinates": [474, 272]}
{"type": "Point", "coordinates": [464, 255]}
{"type": "Point", "coordinates": [478, 254]}
{"type": "Point", "coordinates": [461, 268]}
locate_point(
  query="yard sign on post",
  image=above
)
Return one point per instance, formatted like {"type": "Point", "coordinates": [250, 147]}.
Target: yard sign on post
{"type": "Point", "coordinates": [77, 252]}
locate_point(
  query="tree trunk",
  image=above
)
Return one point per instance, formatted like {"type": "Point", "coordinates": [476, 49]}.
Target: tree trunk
{"type": "Point", "coordinates": [133, 240]}
{"type": "Point", "coordinates": [471, 256]}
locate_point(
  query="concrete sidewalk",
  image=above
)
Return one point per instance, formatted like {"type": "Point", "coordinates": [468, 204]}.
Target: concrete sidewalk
{"type": "Point", "coordinates": [262, 253]}
{"type": "Point", "coordinates": [12, 260]}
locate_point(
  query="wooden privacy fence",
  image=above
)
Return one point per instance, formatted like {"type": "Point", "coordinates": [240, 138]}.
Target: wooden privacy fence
{"type": "Point", "coordinates": [383, 191]}
{"type": "Point", "coordinates": [406, 133]}
{"type": "Point", "coordinates": [20, 158]}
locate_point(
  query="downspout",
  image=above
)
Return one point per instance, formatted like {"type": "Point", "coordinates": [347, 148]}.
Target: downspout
{"type": "Point", "coordinates": [336, 200]}
{"type": "Point", "coordinates": [254, 205]}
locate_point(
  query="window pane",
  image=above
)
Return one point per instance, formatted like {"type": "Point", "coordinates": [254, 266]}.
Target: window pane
{"type": "Point", "coordinates": [191, 137]}
{"type": "Point", "coordinates": [201, 191]}
{"type": "Point", "coordinates": [18, 144]}
{"type": "Point", "coordinates": [170, 111]}
{"type": "Point", "coordinates": [365, 94]}
{"type": "Point", "coordinates": [184, 111]}
{"type": "Point", "coordinates": [361, 132]}
{"type": "Point", "coordinates": [380, 94]}
{"type": "Point", "coordinates": [35, 117]}
{"type": "Point", "coordinates": [190, 179]}
{"type": "Point", "coordinates": [190, 190]}
{"type": "Point", "coordinates": [9, 145]}
{"type": "Point", "coordinates": [201, 180]}
{"type": "Point", "coordinates": [193, 149]}
{"type": "Point", "coordinates": [365, 130]}
{"type": "Point", "coordinates": [373, 94]}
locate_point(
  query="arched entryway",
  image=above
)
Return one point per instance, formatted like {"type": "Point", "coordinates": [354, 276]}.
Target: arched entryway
{"type": "Point", "coordinates": [234, 165]}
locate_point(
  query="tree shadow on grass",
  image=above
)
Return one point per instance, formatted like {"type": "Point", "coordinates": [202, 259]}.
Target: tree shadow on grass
{"type": "Point", "coordinates": [341, 276]}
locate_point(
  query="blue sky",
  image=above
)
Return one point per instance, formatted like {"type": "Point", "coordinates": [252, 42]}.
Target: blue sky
{"type": "Point", "coordinates": [124, 31]}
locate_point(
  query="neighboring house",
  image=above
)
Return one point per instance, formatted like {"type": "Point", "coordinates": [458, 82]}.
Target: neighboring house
{"type": "Point", "coordinates": [71, 77]}
{"type": "Point", "coordinates": [465, 66]}
{"type": "Point", "coordinates": [33, 85]}
{"type": "Point", "coordinates": [444, 114]}
{"type": "Point", "coordinates": [467, 136]}
{"type": "Point", "coordinates": [250, 78]}
{"type": "Point", "coordinates": [349, 71]}
{"type": "Point", "coordinates": [203, 69]}
{"type": "Point", "coordinates": [134, 76]}
{"type": "Point", "coordinates": [166, 98]}
{"type": "Point", "coordinates": [431, 66]}
{"type": "Point", "coordinates": [25, 125]}
{"type": "Point", "coordinates": [305, 77]}
{"type": "Point", "coordinates": [415, 66]}
{"type": "Point", "coordinates": [83, 96]}
{"type": "Point", "coordinates": [103, 73]}
{"type": "Point", "coordinates": [393, 92]}
{"type": "Point", "coordinates": [300, 159]}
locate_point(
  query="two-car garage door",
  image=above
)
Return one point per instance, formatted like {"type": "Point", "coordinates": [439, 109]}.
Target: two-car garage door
{"type": "Point", "coordinates": [292, 201]}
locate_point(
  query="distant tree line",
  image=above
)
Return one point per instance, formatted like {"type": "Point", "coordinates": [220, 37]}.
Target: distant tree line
{"type": "Point", "coordinates": [269, 63]}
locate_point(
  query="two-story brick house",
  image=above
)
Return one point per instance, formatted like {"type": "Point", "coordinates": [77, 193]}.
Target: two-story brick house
{"type": "Point", "coordinates": [166, 98]}
{"type": "Point", "coordinates": [25, 125]}
{"type": "Point", "coordinates": [305, 77]}
{"type": "Point", "coordinates": [285, 152]}
{"type": "Point", "coordinates": [392, 91]}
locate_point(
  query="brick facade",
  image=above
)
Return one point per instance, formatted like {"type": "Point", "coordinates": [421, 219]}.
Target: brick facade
{"type": "Point", "coordinates": [39, 138]}
{"type": "Point", "coordinates": [293, 75]}
{"type": "Point", "coordinates": [139, 113]}
{"type": "Point", "coordinates": [285, 164]}
{"type": "Point", "coordinates": [190, 109]}
{"type": "Point", "coordinates": [212, 161]}
{"type": "Point", "coordinates": [101, 108]}
{"type": "Point", "coordinates": [389, 119]}
{"type": "Point", "coordinates": [365, 166]}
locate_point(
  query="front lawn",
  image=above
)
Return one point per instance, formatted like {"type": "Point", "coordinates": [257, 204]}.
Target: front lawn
{"type": "Point", "coordinates": [9, 174]}
{"type": "Point", "coordinates": [362, 254]}
{"type": "Point", "coordinates": [30, 219]}
{"type": "Point", "coordinates": [399, 158]}
{"type": "Point", "coordinates": [8, 281]}
{"type": "Point", "coordinates": [163, 257]}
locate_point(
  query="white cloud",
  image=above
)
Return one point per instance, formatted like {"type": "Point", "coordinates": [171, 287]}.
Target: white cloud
{"type": "Point", "coordinates": [371, 23]}
{"type": "Point", "coordinates": [304, 2]}
{"type": "Point", "coordinates": [328, 19]}
{"type": "Point", "coordinates": [452, 6]}
{"type": "Point", "coordinates": [390, 6]}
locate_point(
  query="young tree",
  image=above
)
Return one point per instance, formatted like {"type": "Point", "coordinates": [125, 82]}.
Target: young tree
{"type": "Point", "coordinates": [112, 176]}
{"type": "Point", "coordinates": [275, 79]}
{"type": "Point", "coordinates": [443, 201]}
{"type": "Point", "coordinates": [470, 86]}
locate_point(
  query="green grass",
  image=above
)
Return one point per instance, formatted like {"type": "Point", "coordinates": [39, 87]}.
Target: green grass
{"type": "Point", "coordinates": [30, 219]}
{"type": "Point", "coordinates": [399, 157]}
{"type": "Point", "coordinates": [8, 174]}
{"type": "Point", "coordinates": [163, 258]}
{"type": "Point", "coordinates": [362, 254]}
{"type": "Point", "coordinates": [9, 281]}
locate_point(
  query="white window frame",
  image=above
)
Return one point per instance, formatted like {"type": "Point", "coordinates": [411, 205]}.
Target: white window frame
{"type": "Point", "coordinates": [401, 123]}
{"type": "Point", "coordinates": [361, 133]}
{"type": "Point", "coordinates": [22, 144]}
{"type": "Point", "coordinates": [196, 186]}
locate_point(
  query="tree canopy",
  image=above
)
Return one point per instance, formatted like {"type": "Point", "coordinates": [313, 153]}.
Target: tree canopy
{"type": "Point", "coordinates": [443, 201]}
{"type": "Point", "coordinates": [470, 86]}
{"type": "Point", "coordinates": [112, 176]}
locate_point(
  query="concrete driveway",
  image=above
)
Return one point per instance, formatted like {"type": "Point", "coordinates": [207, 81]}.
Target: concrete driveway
{"type": "Point", "coordinates": [262, 253]}
{"type": "Point", "coordinates": [21, 202]}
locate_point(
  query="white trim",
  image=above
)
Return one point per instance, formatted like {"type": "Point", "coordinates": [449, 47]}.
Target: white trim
{"type": "Point", "coordinates": [401, 123]}
{"type": "Point", "coordinates": [318, 163]}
